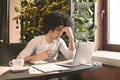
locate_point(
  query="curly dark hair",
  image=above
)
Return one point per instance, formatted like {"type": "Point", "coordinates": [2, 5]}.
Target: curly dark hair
{"type": "Point", "coordinates": [54, 19]}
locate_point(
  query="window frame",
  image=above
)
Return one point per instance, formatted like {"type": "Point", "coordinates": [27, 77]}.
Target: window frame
{"type": "Point", "coordinates": [105, 26]}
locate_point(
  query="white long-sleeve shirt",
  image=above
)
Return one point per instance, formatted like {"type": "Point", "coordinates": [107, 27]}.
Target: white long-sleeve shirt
{"type": "Point", "coordinates": [39, 44]}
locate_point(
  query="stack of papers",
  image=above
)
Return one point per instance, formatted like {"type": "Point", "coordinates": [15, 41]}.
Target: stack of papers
{"type": "Point", "coordinates": [50, 67]}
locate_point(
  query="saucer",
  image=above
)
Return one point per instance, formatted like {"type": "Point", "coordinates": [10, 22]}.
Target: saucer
{"type": "Point", "coordinates": [13, 69]}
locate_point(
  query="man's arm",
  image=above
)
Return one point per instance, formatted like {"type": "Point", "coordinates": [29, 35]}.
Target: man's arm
{"type": "Point", "coordinates": [69, 33]}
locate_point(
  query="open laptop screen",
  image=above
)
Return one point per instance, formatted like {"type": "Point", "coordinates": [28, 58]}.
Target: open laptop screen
{"type": "Point", "coordinates": [84, 53]}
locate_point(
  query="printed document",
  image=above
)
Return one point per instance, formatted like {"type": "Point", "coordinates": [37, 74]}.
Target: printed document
{"type": "Point", "coordinates": [50, 67]}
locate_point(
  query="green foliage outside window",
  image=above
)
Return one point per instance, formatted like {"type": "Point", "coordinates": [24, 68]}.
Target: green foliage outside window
{"type": "Point", "coordinates": [84, 28]}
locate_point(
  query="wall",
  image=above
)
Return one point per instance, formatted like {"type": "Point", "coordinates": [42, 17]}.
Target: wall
{"type": "Point", "coordinates": [4, 21]}
{"type": "Point", "coordinates": [14, 29]}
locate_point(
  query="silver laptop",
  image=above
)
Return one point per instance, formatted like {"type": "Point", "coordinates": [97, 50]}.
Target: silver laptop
{"type": "Point", "coordinates": [83, 55]}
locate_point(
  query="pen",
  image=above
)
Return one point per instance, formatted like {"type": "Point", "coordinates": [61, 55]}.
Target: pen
{"type": "Point", "coordinates": [36, 68]}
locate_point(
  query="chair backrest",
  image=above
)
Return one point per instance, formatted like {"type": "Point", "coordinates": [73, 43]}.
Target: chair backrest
{"type": "Point", "coordinates": [61, 57]}
{"type": "Point", "coordinates": [9, 52]}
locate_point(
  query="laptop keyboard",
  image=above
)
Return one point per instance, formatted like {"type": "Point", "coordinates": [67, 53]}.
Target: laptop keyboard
{"type": "Point", "coordinates": [65, 63]}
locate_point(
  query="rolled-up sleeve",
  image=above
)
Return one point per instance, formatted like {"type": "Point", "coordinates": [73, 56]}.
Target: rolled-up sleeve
{"type": "Point", "coordinates": [69, 54]}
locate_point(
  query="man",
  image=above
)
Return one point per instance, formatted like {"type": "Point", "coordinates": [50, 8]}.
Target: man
{"type": "Point", "coordinates": [48, 45]}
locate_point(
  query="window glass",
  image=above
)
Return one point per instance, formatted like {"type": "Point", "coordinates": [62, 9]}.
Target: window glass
{"type": "Point", "coordinates": [114, 22]}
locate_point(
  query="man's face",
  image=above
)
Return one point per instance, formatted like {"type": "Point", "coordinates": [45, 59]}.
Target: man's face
{"type": "Point", "coordinates": [57, 32]}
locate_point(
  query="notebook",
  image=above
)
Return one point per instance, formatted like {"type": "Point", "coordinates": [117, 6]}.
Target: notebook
{"type": "Point", "coordinates": [82, 56]}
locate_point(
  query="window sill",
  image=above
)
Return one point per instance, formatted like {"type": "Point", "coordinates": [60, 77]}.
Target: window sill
{"type": "Point", "coordinates": [107, 57]}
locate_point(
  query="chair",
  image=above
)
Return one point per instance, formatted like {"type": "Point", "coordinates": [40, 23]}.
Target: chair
{"type": "Point", "coordinates": [9, 52]}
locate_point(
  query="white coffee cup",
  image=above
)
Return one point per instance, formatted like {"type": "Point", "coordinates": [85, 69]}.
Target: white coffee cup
{"type": "Point", "coordinates": [17, 63]}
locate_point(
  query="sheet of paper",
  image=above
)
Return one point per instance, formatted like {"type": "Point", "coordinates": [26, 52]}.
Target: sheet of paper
{"type": "Point", "coordinates": [50, 67]}
{"type": "Point", "coordinates": [34, 71]}
{"type": "Point", "coordinates": [4, 69]}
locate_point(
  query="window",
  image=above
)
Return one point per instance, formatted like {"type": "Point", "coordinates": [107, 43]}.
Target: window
{"type": "Point", "coordinates": [114, 16]}
{"type": "Point", "coordinates": [111, 27]}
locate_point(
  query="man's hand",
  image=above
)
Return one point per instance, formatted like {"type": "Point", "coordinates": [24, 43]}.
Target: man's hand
{"type": "Point", "coordinates": [42, 56]}
{"type": "Point", "coordinates": [68, 31]}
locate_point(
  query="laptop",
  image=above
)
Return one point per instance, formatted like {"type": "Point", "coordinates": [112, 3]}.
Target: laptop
{"type": "Point", "coordinates": [82, 56]}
